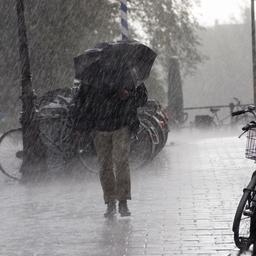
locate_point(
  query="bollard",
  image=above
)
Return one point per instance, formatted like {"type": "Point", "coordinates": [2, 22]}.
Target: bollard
{"type": "Point", "coordinates": [175, 93]}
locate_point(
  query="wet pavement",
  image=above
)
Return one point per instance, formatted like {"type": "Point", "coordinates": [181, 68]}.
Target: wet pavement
{"type": "Point", "coordinates": [183, 203]}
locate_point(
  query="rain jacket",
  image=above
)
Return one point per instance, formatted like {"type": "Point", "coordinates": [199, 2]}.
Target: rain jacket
{"type": "Point", "coordinates": [108, 107]}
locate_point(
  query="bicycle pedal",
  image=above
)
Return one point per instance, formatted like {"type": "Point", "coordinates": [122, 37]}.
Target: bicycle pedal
{"type": "Point", "coordinates": [248, 213]}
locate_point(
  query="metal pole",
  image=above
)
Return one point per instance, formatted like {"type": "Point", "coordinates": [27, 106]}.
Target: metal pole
{"type": "Point", "coordinates": [124, 20]}
{"type": "Point", "coordinates": [253, 50]}
{"type": "Point", "coordinates": [27, 95]}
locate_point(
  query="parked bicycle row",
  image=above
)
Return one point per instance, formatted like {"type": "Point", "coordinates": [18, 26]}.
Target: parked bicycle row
{"type": "Point", "coordinates": [61, 142]}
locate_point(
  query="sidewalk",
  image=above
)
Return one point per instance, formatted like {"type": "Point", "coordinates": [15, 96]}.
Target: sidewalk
{"type": "Point", "coordinates": [193, 190]}
{"type": "Point", "coordinates": [183, 204]}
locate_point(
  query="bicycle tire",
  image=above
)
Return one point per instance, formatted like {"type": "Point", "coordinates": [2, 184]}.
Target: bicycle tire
{"type": "Point", "coordinates": [155, 122]}
{"type": "Point", "coordinates": [88, 158]}
{"type": "Point", "coordinates": [246, 202]}
{"type": "Point", "coordinates": [142, 147]}
{"type": "Point", "coordinates": [86, 153]}
{"type": "Point", "coordinates": [162, 131]}
{"type": "Point", "coordinates": [11, 157]}
{"type": "Point", "coordinates": [214, 124]}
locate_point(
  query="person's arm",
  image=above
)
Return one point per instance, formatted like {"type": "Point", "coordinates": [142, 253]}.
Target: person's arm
{"type": "Point", "coordinates": [141, 95]}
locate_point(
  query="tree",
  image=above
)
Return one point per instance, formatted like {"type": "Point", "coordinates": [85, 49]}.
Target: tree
{"type": "Point", "coordinates": [62, 29]}
{"type": "Point", "coordinates": [58, 30]}
{"type": "Point", "coordinates": [171, 30]}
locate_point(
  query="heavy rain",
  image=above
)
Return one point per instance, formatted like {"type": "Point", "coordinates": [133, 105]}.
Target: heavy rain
{"type": "Point", "coordinates": [127, 127]}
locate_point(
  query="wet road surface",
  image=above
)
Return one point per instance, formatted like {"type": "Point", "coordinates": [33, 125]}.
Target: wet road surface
{"type": "Point", "coordinates": [183, 203]}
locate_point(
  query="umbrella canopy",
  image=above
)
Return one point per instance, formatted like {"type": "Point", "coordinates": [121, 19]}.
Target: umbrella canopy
{"type": "Point", "coordinates": [114, 58]}
{"type": "Point", "coordinates": [87, 65]}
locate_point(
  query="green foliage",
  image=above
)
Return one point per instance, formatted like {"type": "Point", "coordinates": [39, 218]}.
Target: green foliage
{"type": "Point", "coordinates": [58, 30]}
{"type": "Point", "coordinates": [171, 30]}
{"type": "Point", "coordinates": [155, 88]}
{"type": "Point", "coordinates": [62, 29]}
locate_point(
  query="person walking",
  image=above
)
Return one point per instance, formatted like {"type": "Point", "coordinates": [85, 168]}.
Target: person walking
{"type": "Point", "coordinates": [115, 121]}
{"type": "Point", "coordinates": [111, 90]}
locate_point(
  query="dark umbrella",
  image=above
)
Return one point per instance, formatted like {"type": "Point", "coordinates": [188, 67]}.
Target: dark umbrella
{"type": "Point", "coordinates": [87, 65]}
{"type": "Point", "coordinates": [133, 53]}
{"type": "Point", "coordinates": [113, 58]}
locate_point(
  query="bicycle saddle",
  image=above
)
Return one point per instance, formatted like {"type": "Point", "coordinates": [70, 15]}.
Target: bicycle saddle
{"type": "Point", "coordinates": [214, 110]}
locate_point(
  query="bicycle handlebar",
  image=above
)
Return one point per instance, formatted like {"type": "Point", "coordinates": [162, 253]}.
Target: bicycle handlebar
{"type": "Point", "coordinates": [249, 126]}
{"type": "Point", "coordinates": [249, 109]}
{"type": "Point", "coordinates": [252, 125]}
{"type": "Point", "coordinates": [239, 112]}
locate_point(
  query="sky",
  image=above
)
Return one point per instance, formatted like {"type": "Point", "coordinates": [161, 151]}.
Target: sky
{"type": "Point", "coordinates": [225, 11]}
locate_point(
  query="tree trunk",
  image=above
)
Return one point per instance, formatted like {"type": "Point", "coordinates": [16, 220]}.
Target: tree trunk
{"type": "Point", "coordinates": [32, 146]}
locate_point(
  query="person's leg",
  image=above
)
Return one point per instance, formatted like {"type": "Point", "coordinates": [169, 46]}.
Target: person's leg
{"type": "Point", "coordinates": [121, 148]}
{"type": "Point", "coordinates": [103, 145]}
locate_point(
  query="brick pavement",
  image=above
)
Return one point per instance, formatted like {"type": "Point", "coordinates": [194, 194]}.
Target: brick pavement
{"type": "Point", "coordinates": [183, 204]}
{"type": "Point", "coordinates": [190, 194]}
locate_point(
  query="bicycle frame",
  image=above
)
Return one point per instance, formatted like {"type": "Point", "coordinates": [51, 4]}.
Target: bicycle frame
{"type": "Point", "coordinates": [245, 217]}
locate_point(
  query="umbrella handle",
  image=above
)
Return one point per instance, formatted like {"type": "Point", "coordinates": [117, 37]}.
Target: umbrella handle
{"type": "Point", "coordinates": [135, 77]}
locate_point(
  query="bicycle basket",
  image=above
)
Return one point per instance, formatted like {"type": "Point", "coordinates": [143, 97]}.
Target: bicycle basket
{"type": "Point", "coordinates": [250, 151]}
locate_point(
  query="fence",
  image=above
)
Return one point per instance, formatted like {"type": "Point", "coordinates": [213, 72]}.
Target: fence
{"type": "Point", "coordinates": [216, 116]}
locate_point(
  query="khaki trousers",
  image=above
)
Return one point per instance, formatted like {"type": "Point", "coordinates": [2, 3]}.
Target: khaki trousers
{"type": "Point", "coordinates": [113, 155]}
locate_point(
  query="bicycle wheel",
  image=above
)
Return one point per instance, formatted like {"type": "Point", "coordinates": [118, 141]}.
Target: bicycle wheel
{"type": "Point", "coordinates": [154, 120]}
{"type": "Point", "coordinates": [162, 131]}
{"type": "Point", "coordinates": [245, 217]}
{"type": "Point", "coordinates": [141, 150]}
{"type": "Point", "coordinates": [142, 146]}
{"type": "Point", "coordinates": [11, 153]}
{"type": "Point", "coordinates": [87, 154]}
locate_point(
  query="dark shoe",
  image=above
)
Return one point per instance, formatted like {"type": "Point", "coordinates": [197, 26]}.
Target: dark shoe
{"type": "Point", "coordinates": [111, 209]}
{"type": "Point", "coordinates": [123, 208]}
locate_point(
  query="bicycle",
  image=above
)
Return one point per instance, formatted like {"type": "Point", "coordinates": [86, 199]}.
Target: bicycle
{"type": "Point", "coordinates": [237, 106]}
{"type": "Point", "coordinates": [154, 113]}
{"type": "Point", "coordinates": [61, 139]}
{"type": "Point", "coordinates": [244, 224]}
{"type": "Point", "coordinates": [214, 120]}
{"type": "Point", "coordinates": [210, 121]}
